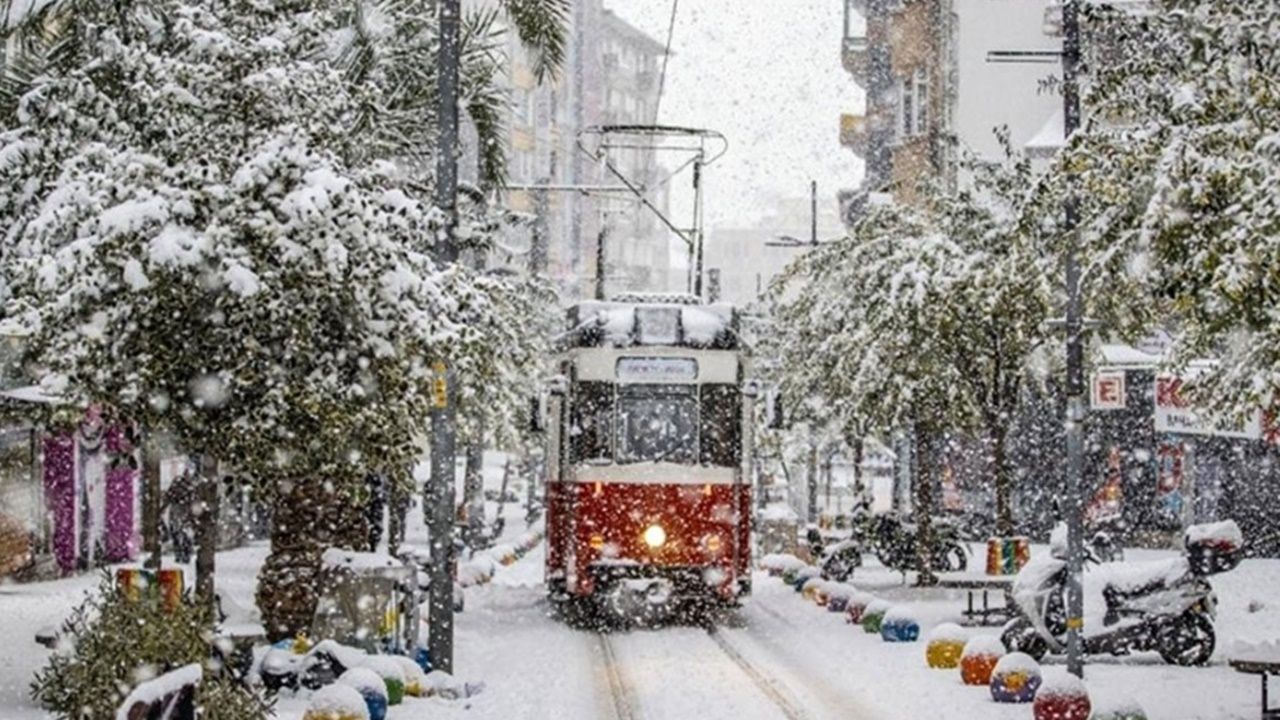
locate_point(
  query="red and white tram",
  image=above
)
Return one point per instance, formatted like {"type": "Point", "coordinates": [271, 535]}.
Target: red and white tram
{"type": "Point", "coordinates": [647, 490]}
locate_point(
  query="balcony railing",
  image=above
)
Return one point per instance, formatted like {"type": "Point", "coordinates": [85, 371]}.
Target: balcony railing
{"type": "Point", "coordinates": [854, 54]}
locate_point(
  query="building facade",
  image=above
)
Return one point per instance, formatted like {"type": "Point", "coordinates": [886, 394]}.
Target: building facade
{"type": "Point", "coordinates": [934, 89]}
{"type": "Point", "coordinates": [610, 77]}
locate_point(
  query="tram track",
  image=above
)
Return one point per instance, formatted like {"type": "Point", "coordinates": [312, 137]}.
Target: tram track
{"type": "Point", "coordinates": [624, 705]}
{"type": "Point", "coordinates": [763, 683]}
{"type": "Point", "coordinates": [627, 706]}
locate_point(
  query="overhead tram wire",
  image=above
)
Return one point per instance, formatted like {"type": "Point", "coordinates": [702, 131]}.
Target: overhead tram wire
{"type": "Point", "coordinates": [666, 56]}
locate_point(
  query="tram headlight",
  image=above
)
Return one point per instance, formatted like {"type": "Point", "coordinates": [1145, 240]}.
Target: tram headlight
{"type": "Point", "coordinates": [655, 536]}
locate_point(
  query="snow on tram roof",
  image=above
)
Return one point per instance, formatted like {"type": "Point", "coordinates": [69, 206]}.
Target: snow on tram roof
{"type": "Point", "coordinates": [653, 320]}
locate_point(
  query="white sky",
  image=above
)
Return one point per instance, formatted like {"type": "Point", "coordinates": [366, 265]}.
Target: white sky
{"type": "Point", "coordinates": [767, 74]}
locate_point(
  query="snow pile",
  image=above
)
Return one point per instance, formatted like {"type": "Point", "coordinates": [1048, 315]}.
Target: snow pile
{"type": "Point", "coordinates": [900, 614]}
{"type": "Point", "coordinates": [840, 591]}
{"type": "Point", "coordinates": [984, 645]}
{"type": "Point", "coordinates": [415, 680]}
{"type": "Point", "coordinates": [1130, 577]}
{"type": "Point", "coordinates": [335, 558]}
{"type": "Point", "coordinates": [337, 700]}
{"type": "Point", "coordinates": [1017, 663]}
{"type": "Point", "coordinates": [365, 681]}
{"type": "Point", "coordinates": [948, 632]}
{"type": "Point", "coordinates": [153, 691]}
{"type": "Point", "coordinates": [1057, 682]}
{"type": "Point", "coordinates": [780, 562]}
{"type": "Point", "coordinates": [1265, 651]}
{"type": "Point", "coordinates": [778, 511]}
{"type": "Point", "coordinates": [1225, 534]}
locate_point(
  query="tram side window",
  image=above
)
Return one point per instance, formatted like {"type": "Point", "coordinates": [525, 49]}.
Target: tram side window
{"type": "Point", "coordinates": [590, 429]}
{"type": "Point", "coordinates": [721, 425]}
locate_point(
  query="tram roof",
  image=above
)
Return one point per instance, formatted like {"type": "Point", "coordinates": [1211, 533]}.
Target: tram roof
{"type": "Point", "coordinates": [672, 322]}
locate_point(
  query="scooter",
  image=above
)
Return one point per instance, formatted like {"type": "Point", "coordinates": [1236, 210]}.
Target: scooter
{"type": "Point", "coordinates": [1167, 606]}
{"type": "Point", "coordinates": [894, 542]}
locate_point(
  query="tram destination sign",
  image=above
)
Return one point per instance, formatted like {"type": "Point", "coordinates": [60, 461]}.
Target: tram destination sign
{"type": "Point", "coordinates": [657, 369]}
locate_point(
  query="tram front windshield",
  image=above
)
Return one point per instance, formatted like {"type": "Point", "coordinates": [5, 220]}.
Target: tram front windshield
{"type": "Point", "coordinates": [658, 423]}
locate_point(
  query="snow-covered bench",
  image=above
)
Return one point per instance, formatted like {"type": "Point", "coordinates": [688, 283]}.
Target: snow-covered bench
{"type": "Point", "coordinates": [171, 696]}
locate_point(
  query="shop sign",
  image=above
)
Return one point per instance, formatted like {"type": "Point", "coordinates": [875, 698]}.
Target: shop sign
{"type": "Point", "coordinates": [1173, 415]}
{"type": "Point", "coordinates": [1108, 390]}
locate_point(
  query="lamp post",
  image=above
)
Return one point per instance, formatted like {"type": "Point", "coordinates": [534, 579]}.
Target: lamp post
{"type": "Point", "coordinates": [1075, 352]}
{"type": "Point", "coordinates": [440, 490]}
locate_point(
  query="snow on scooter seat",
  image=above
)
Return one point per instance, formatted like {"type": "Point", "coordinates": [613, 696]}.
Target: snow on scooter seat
{"type": "Point", "coordinates": [1223, 534]}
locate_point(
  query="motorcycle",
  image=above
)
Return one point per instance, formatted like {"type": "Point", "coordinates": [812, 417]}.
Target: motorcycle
{"type": "Point", "coordinates": [1166, 606]}
{"type": "Point", "coordinates": [894, 542]}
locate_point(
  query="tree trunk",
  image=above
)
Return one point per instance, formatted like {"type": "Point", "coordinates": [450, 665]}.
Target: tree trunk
{"type": "Point", "coordinates": [998, 434]}
{"type": "Point", "coordinates": [811, 477]}
{"type": "Point", "coordinates": [398, 500]}
{"type": "Point", "coordinates": [152, 498]}
{"type": "Point", "coordinates": [858, 487]}
{"type": "Point", "coordinates": [473, 489]}
{"type": "Point", "coordinates": [308, 517]}
{"type": "Point", "coordinates": [206, 516]}
{"type": "Point", "coordinates": [925, 467]}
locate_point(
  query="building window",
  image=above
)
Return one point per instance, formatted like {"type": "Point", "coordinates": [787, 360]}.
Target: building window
{"type": "Point", "coordinates": [907, 97]}
{"type": "Point", "coordinates": [913, 99]}
{"type": "Point", "coordinates": [922, 101]}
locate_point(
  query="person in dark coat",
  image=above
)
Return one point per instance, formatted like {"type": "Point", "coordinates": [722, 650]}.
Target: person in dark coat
{"type": "Point", "coordinates": [178, 507]}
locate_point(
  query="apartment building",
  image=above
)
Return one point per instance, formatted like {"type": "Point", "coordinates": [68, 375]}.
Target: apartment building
{"type": "Point", "coordinates": [934, 89]}
{"type": "Point", "coordinates": [610, 77]}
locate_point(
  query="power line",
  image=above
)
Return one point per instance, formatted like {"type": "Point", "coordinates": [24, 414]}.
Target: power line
{"type": "Point", "coordinates": [666, 55]}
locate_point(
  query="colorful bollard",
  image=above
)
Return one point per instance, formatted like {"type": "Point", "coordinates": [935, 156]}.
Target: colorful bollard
{"type": "Point", "coordinates": [978, 659]}
{"type": "Point", "coordinates": [392, 676]}
{"type": "Point", "coordinates": [899, 625]}
{"type": "Point", "coordinates": [873, 616]}
{"type": "Point", "coordinates": [371, 687]}
{"type": "Point", "coordinates": [1015, 679]}
{"type": "Point", "coordinates": [945, 646]}
{"type": "Point", "coordinates": [337, 702]}
{"type": "Point", "coordinates": [1062, 696]}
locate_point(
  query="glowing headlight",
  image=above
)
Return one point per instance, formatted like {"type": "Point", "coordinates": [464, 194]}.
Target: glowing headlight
{"type": "Point", "coordinates": [655, 536]}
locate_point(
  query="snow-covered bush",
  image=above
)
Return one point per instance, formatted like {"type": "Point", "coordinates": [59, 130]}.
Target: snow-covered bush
{"type": "Point", "coordinates": [111, 643]}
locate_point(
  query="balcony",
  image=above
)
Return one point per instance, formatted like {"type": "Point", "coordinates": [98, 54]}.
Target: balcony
{"type": "Point", "coordinates": [854, 133]}
{"type": "Point", "coordinates": [855, 56]}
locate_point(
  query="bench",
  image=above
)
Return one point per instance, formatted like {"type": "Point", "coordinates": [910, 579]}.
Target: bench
{"type": "Point", "coordinates": [975, 584]}
{"type": "Point", "coordinates": [1263, 669]}
{"type": "Point", "coordinates": [171, 696]}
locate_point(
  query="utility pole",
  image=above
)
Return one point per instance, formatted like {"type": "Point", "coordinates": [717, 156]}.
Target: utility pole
{"type": "Point", "coordinates": [1075, 352]}
{"type": "Point", "coordinates": [601, 240]}
{"type": "Point", "coordinates": [813, 212]}
{"type": "Point", "coordinates": [538, 244]}
{"type": "Point", "coordinates": [439, 495]}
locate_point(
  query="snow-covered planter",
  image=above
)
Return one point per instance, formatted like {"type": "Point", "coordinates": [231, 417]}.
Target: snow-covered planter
{"type": "Point", "coordinates": [372, 689]}
{"type": "Point", "coordinates": [946, 645]}
{"type": "Point", "coordinates": [388, 668]}
{"type": "Point", "coordinates": [979, 658]}
{"type": "Point", "coordinates": [338, 702]}
{"type": "Point", "coordinates": [1015, 679]}
{"type": "Point", "coordinates": [899, 625]}
{"type": "Point", "coordinates": [1062, 696]}
{"type": "Point", "coordinates": [873, 616]}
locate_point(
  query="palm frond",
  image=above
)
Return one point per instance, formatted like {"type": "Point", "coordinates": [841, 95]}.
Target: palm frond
{"type": "Point", "coordinates": [542, 26]}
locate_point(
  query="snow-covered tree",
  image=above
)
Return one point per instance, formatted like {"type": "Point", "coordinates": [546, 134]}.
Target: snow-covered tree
{"type": "Point", "coordinates": [1182, 160]}
{"type": "Point", "coordinates": [199, 239]}
{"type": "Point", "coordinates": [928, 317]}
